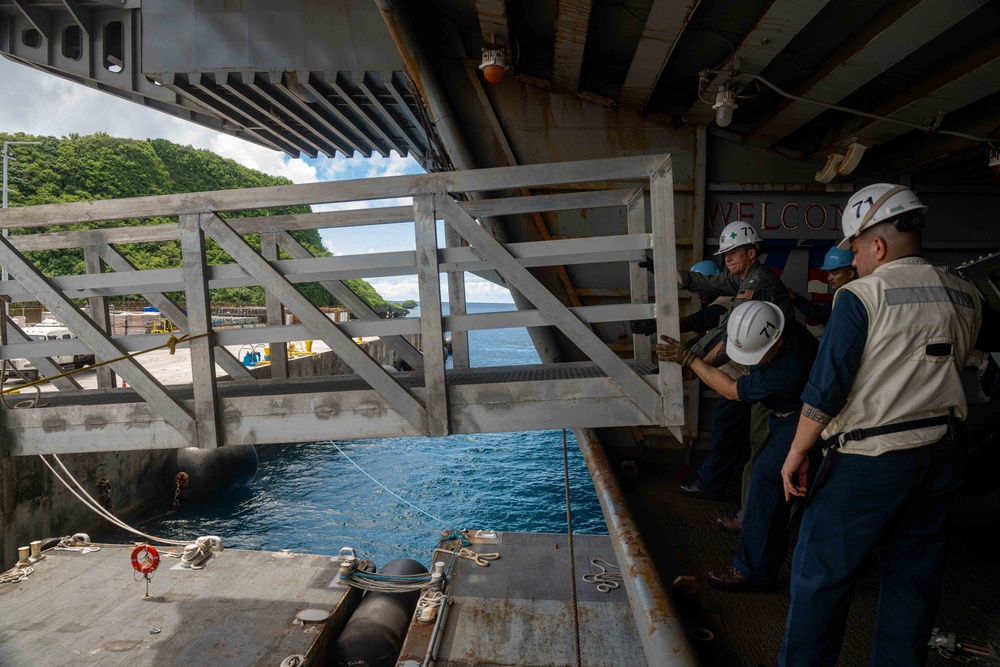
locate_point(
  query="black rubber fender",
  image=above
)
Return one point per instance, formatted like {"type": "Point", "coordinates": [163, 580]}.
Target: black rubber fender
{"type": "Point", "coordinates": [211, 472]}
{"type": "Point", "coordinates": [374, 635]}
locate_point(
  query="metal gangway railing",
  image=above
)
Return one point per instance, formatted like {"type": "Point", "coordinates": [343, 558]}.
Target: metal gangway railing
{"type": "Point", "coordinates": [429, 400]}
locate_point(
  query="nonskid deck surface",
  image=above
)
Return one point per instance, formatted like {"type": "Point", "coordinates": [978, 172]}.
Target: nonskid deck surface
{"type": "Point", "coordinates": [347, 383]}
{"type": "Point", "coordinates": [749, 627]}
{"type": "Point", "coordinates": [88, 609]}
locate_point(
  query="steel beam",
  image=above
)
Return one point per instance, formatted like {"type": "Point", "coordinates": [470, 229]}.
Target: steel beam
{"type": "Point", "coordinates": [532, 254]}
{"type": "Point", "coordinates": [666, 21]}
{"type": "Point", "coordinates": [99, 313]}
{"type": "Point", "coordinates": [223, 357]}
{"type": "Point", "coordinates": [354, 303]}
{"type": "Point", "coordinates": [309, 113]}
{"type": "Point", "coordinates": [384, 112]}
{"type": "Point", "coordinates": [372, 123]}
{"type": "Point", "coordinates": [554, 311]}
{"type": "Point", "coordinates": [671, 409]}
{"type": "Point", "coordinates": [639, 276]}
{"type": "Point", "coordinates": [98, 341]}
{"type": "Point", "coordinates": [312, 317]}
{"type": "Point", "coordinates": [275, 311]}
{"type": "Point", "coordinates": [38, 18]}
{"type": "Point", "coordinates": [572, 24]}
{"type": "Point", "coordinates": [898, 31]}
{"type": "Point", "coordinates": [272, 414]}
{"type": "Point", "coordinates": [81, 15]}
{"type": "Point", "coordinates": [500, 178]}
{"type": "Point", "coordinates": [431, 334]}
{"type": "Point", "coordinates": [779, 25]}
{"type": "Point", "coordinates": [456, 304]}
{"type": "Point", "coordinates": [305, 81]}
{"type": "Point", "coordinates": [245, 93]}
{"type": "Point", "coordinates": [265, 88]}
{"type": "Point", "coordinates": [325, 219]}
{"type": "Point", "coordinates": [199, 312]}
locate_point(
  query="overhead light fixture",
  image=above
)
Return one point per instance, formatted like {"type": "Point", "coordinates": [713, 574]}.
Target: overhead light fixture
{"type": "Point", "coordinates": [494, 62]}
{"type": "Point", "coordinates": [852, 158]}
{"type": "Point", "coordinates": [829, 170]}
{"type": "Point", "coordinates": [725, 102]}
{"type": "Point", "coordinates": [995, 160]}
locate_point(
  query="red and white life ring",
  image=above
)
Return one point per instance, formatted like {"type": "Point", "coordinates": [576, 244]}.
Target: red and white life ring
{"type": "Point", "coordinates": [145, 559]}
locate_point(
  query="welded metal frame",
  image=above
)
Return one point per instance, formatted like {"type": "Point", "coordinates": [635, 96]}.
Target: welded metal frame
{"type": "Point", "coordinates": [619, 393]}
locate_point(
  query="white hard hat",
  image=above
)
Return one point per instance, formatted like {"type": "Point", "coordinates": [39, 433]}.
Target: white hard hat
{"type": "Point", "coordinates": [753, 329]}
{"type": "Point", "coordinates": [874, 204]}
{"type": "Point", "coordinates": [736, 234]}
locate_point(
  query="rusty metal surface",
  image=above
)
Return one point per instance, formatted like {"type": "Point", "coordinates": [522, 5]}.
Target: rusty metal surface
{"type": "Point", "coordinates": [87, 609]}
{"type": "Point", "coordinates": [518, 610]}
{"type": "Point", "coordinates": [664, 639]}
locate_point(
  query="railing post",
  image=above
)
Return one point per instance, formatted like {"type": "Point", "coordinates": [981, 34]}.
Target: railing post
{"type": "Point", "coordinates": [456, 304]}
{"type": "Point", "coordinates": [199, 322]}
{"type": "Point", "coordinates": [661, 188]}
{"type": "Point", "coordinates": [639, 276]}
{"type": "Point", "coordinates": [99, 313]}
{"type": "Point", "coordinates": [429, 280]}
{"type": "Point", "coordinates": [275, 311]}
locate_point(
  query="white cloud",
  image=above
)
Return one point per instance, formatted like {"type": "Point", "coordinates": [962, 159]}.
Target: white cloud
{"type": "Point", "coordinates": [42, 104]}
{"type": "Point", "coordinates": [477, 290]}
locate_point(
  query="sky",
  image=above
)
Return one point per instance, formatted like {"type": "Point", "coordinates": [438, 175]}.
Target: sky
{"type": "Point", "coordinates": [42, 104]}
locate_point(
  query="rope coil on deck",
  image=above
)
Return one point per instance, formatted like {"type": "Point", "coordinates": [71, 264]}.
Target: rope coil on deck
{"type": "Point", "coordinates": [607, 579]}
{"type": "Point", "coordinates": [16, 574]}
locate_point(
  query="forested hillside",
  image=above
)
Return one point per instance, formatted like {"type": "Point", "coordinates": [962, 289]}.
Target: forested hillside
{"type": "Point", "coordinates": [98, 166]}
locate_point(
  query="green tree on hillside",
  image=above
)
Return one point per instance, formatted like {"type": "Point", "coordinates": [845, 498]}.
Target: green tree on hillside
{"type": "Point", "coordinates": [99, 166]}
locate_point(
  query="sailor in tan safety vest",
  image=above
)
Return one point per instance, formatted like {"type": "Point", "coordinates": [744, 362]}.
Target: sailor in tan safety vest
{"type": "Point", "coordinates": [885, 394]}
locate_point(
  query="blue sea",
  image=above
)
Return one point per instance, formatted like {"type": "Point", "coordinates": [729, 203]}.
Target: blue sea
{"type": "Point", "coordinates": [312, 498]}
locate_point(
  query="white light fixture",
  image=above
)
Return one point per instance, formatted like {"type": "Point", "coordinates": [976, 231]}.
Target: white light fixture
{"type": "Point", "coordinates": [852, 158]}
{"type": "Point", "coordinates": [494, 62]}
{"type": "Point", "coordinates": [725, 102]}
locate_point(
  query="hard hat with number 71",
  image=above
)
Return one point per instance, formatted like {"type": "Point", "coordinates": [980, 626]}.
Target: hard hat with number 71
{"type": "Point", "coordinates": [877, 203]}
{"type": "Point", "coordinates": [736, 234]}
{"type": "Point", "coordinates": [753, 329]}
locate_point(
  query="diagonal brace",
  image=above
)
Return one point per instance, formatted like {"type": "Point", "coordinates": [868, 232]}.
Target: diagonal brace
{"type": "Point", "coordinates": [343, 293]}
{"type": "Point", "coordinates": [314, 319]}
{"type": "Point", "coordinates": [548, 305]}
{"type": "Point", "coordinates": [175, 314]}
{"type": "Point", "coordinates": [97, 340]}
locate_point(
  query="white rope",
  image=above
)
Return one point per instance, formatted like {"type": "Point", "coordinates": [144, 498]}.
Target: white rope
{"type": "Point", "coordinates": [96, 507]}
{"type": "Point", "coordinates": [428, 605]}
{"type": "Point", "coordinates": [402, 583]}
{"type": "Point", "coordinates": [482, 560]}
{"type": "Point", "coordinates": [391, 492]}
{"type": "Point", "coordinates": [79, 542]}
{"type": "Point", "coordinates": [606, 580]}
{"type": "Point", "coordinates": [16, 574]}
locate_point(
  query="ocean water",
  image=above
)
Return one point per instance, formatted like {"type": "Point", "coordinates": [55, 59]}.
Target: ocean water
{"type": "Point", "coordinates": [311, 498]}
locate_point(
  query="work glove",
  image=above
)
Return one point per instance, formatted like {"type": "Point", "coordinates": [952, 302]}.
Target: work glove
{"type": "Point", "coordinates": [645, 327]}
{"type": "Point", "coordinates": [672, 350]}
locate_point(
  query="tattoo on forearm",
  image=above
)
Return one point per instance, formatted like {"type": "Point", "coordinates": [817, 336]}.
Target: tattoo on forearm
{"type": "Point", "coordinates": [815, 414]}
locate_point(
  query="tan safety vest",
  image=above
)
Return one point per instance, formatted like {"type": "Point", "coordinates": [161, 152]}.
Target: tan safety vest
{"type": "Point", "coordinates": [922, 325]}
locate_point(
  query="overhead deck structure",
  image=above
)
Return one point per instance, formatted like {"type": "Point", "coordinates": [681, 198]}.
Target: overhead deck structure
{"type": "Point", "coordinates": [831, 96]}
{"type": "Point", "coordinates": [606, 391]}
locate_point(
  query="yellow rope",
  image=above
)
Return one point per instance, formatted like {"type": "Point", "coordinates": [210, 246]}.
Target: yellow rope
{"type": "Point", "coordinates": [171, 343]}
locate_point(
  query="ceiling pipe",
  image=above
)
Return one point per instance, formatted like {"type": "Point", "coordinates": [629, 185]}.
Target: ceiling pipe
{"type": "Point", "coordinates": [930, 128]}
{"type": "Point", "coordinates": [407, 43]}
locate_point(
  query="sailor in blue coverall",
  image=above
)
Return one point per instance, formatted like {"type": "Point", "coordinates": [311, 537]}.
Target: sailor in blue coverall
{"type": "Point", "coordinates": [780, 355]}
{"type": "Point", "coordinates": [886, 392]}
